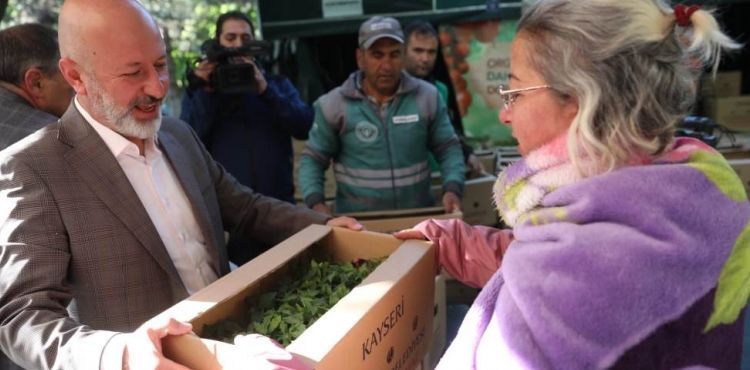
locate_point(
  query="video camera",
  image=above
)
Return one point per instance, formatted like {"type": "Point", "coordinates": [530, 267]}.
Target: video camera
{"type": "Point", "coordinates": [232, 74]}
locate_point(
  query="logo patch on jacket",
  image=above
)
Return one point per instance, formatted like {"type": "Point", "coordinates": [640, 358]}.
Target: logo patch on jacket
{"type": "Point", "coordinates": [410, 118]}
{"type": "Point", "coordinates": [366, 131]}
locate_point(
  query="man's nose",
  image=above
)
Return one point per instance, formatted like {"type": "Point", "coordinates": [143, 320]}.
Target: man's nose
{"type": "Point", "coordinates": [157, 84]}
{"type": "Point", "coordinates": [387, 65]}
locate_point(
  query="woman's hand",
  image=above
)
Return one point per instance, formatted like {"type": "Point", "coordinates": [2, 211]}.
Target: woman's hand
{"type": "Point", "coordinates": [143, 347]}
{"type": "Point", "coordinates": [410, 234]}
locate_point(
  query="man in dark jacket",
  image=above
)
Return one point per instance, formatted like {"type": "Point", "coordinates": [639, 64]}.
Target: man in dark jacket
{"type": "Point", "coordinates": [112, 214]}
{"type": "Point", "coordinates": [248, 132]}
{"type": "Point", "coordinates": [421, 44]}
{"type": "Point", "coordinates": [33, 93]}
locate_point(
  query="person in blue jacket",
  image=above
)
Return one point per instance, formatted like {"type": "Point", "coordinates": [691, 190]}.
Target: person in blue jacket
{"type": "Point", "coordinates": [247, 132]}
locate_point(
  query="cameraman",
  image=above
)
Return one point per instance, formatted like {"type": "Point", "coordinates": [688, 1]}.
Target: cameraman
{"type": "Point", "coordinates": [248, 132]}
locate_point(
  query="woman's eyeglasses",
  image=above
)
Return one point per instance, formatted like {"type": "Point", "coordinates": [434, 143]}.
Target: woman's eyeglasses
{"type": "Point", "coordinates": [510, 96]}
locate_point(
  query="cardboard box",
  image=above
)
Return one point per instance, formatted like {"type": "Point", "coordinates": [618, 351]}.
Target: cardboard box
{"type": "Point", "coordinates": [742, 167]}
{"type": "Point", "coordinates": [730, 112]}
{"type": "Point", "coordinates": [395, 220]}
{"type": "Point", "coordinates": [458, 292]}
{"type": "Point", "coordinates": [725, 84]}
{"type": "Point", "coordinates": [477, 208]}
{"type": "Point", "coordinates": [477, 205]}
{"type": "Point", "coordinates": [735, 153]}
{"type": "Point", "coordinates": [439, 325]}
{"type": "Point", "coordinates": [488, 159]}
{"type": "Point", "coordinates": [505, 158]}
{"type": "Point", "coordinates": [383, 323]}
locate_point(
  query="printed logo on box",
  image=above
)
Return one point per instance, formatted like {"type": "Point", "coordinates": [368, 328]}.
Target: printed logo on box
{"type": "Point", "coordinates": [404, 362]}
{"type": "Point", "coordinates": [386, 325]}
{"type": "Point", "coordinates": [393, 360]}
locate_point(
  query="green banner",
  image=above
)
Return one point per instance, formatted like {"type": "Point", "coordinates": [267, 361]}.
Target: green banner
{"type": "Point", "coordinates": [478, 58]}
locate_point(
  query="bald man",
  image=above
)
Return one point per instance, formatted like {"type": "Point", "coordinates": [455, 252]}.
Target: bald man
{"type": "Point", "coordinates": [113, 214]}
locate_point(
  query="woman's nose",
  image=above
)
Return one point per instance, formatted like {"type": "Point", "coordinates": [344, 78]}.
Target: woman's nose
{"type": "Point", "coordinates": [504, 115]}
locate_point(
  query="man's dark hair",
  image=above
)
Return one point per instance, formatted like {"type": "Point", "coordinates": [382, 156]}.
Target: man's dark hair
{"type": "Point", "coordinates": [25, 46]}
{"type": "Point", "coordinates": [419, 27]}
{"type": "Point", "coordinates": [235, 14]}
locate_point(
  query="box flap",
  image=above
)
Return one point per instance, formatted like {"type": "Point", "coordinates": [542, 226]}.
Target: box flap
{"type": "Point", "coordinates": [352, 319]}
{"type": "Point", "coordinates": [384, 321]}
{"type": "Point", "coordinates": [425, 211]}
{"type": "Point", "coordinates": [229, 286]}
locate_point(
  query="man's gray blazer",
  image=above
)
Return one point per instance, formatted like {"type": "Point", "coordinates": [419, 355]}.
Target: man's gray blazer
{"type": "Point", "coordinates": [18, 118]}
{"type": "Point", "coordinates": [79, 257]}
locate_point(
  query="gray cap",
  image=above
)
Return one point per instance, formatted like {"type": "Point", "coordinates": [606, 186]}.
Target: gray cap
{"type": "Point", "coordinates": [378, 27]}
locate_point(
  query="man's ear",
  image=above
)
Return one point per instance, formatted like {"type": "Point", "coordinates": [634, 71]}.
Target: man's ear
{"type": "Point", "coordinates": [33, 82]}
{"type": "Point", "coordinates": [359, 53]}
{"type": "Point", "coordinates": [71, 72]}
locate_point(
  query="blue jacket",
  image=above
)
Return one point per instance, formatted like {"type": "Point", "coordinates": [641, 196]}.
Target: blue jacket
{"type": "Point", "coordinates": [249, 134]}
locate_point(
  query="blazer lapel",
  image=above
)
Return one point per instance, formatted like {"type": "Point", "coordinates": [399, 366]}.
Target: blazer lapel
{"type": "Point", "coordinates": [97, 167]}
{"type": "Point", "coordinates": [185, 173]}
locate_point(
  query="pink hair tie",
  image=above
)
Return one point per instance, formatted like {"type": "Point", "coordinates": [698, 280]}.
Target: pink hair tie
{"type": "Point", "coordinates": [683, 13]}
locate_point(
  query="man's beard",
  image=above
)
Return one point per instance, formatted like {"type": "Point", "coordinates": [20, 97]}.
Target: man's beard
{"type": "Point", "coordinates": [121, 119]}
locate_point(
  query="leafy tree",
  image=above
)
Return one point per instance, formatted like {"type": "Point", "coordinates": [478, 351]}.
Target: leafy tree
{"type": "Point", "coordinates": [185, 25]}
{"type": "Point", "coordinates": [23, 11]}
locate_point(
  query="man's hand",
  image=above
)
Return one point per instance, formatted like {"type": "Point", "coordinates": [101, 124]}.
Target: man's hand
{"type": "Point", "coordinates": [346, 222]}
{"type": "Point", "coordinates": [322, 208]}
{"type": "Point", "coordinates": [451, 202]}
{"type": "Point", "coordinates": [259, 78]}
{"type": "Point", "coordinates": [143, 348]}
{"type": "Point", "coordinates": [204, 70]}
{"type": "Point", "coordinates": [475, 166]}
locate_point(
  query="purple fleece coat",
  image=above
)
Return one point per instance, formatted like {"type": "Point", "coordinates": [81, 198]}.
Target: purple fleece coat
{"type": "Point", "coordinates": [600, 264]}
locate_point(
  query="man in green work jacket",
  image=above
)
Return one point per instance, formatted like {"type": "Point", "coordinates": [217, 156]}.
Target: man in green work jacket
{"type": "Point", "coordinates": [378, 128]}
